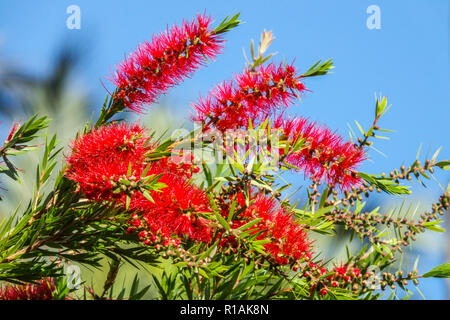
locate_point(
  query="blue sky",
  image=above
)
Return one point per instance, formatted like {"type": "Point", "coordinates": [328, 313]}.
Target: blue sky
{"type": "Point", "coordinates": [407, 59]}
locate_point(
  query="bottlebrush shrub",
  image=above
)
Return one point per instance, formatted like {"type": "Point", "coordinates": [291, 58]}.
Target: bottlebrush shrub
{"type": "Point", "coordinates": [211, 206]}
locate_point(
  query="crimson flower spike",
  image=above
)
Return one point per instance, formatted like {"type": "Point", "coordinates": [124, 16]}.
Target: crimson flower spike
{"type": "Point", "coordinates": [255, 95]}
{"type": "Point", "coordinates": [165, 61]}
{"type": "Point", "coordinates": [289, 240]}
{"type": "Point", "coordinates": [325, 155]}
{"type": "Point", "coordinates": [100, 158]}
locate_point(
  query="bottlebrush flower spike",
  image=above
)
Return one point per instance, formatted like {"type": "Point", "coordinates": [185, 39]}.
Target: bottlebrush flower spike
{"type": "Point", "coordinates": [173, 213]}
{"type": "Point", "coordinates": [254, 95]}
{"type": "Point", "coordinates": [165, 61]}
{"type": "Point", "coordinates": [289, 241]}
{"type": "Point", "coordinates": [324, 156]}
{"type": "Point", "coordinates": [101, 157]}
{"type": "Point", "coordinates": [43, 290]}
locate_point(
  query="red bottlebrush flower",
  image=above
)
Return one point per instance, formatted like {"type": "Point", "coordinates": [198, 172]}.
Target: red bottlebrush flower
{"type": "Point", "coordinates": [101, 157]}
{"type": "Point", "coordinates": [43, 290]}
{"type": "Point", "coordinates": [254, 95]}
{"type": "Point", "coordinates": [165, 61]}
{"type": "Point", "coordinates": [288, 239]}
{"type": "Point", "coordinates": [174, 212]}
{"type": "Point", "coordinates": [325, 156]}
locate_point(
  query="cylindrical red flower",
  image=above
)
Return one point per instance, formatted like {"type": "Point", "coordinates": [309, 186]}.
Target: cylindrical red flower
{"type": "Point", "coordinates": [255, 94]}
{"type": "Point", "coordinates": [165, 61]}
{"type": "Point", "coordinates": [43, 290]}
{"type": "Point", "coordinates": [325, 155]}
{"type": "Point", "coordinates": [100, 158]}
{"type": "Point", "coordinates": [288, 240]}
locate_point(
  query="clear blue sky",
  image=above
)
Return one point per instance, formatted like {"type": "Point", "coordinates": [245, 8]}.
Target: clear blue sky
{"type": "Point", "coordinates": [407, 59]}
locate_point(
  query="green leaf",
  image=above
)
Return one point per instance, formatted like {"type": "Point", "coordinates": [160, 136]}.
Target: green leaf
{"type": "Point", "coordinates": [129, 169]}
{"type": "Point", "coordinates": [444, 165]}
{"type": "Point", "coordinates": [442, 271]}
{"type": "Point", "coordinates": [360, 128]}
{"type": "Point", "coordinates": [208, 175]}
{"type": "Point", "coordinates": [434, 157]}
{"type": "Point", "coordinates": [209, 252]}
